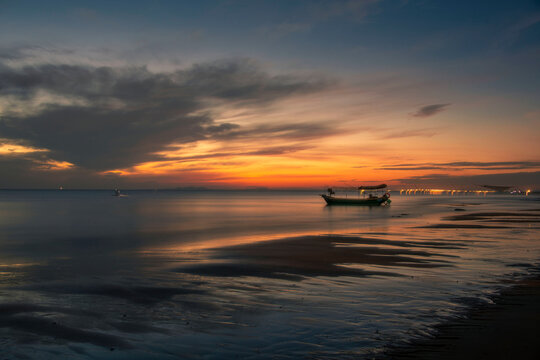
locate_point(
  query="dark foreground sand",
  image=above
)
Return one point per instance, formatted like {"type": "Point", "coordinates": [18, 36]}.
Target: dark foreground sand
{"type": "Point", "coordinates": [508, 329]}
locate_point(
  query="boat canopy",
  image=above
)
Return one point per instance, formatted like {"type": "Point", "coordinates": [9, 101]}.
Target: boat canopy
{"type": "Point", "coordinates": [374, 187]}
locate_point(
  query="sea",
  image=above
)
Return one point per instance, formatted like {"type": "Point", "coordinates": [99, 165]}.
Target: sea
{"type": "Point", "coordinates": [248, 274]}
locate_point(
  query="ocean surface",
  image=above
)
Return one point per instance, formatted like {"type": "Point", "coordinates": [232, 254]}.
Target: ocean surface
{"type": "Point", "coordinates": [253, 274]}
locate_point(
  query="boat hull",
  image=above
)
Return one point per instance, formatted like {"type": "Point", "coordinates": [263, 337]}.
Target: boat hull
{"type": "Point", "coordinates": [331, 200]}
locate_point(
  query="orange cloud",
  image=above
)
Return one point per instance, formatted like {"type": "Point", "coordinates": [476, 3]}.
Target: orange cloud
{"type": "Point", "coordinates": [55, 165]}
{"type": "Point", "coordinates": [7, 148]}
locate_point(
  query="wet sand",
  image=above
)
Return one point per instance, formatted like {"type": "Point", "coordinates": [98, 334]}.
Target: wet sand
{"type": "Point", "coordinates": [313, 256]}
{"type": "Point", "coordinates": [507, 329]}
{"type": "Point", "coordinates": [258, 276]}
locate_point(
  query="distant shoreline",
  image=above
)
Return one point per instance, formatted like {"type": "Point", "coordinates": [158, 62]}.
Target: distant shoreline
{"type": "Point", "coordinates": [171, 189]}
{"type": "Point", "coordinates": [507, 329]}
{"type": "Point", "coordinates": [202, 189]}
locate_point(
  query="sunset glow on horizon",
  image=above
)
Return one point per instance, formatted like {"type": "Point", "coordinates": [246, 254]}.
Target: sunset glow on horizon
{"type": "Point", "coordinates": [334, 97]}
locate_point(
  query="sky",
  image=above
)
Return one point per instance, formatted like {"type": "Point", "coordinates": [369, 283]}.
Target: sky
{"type": "Point", "coordinates": [269, 94]}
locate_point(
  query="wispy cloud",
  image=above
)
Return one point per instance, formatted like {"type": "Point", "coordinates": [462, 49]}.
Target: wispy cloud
{"type": "Point", "coordinates": [278, 31]}
{"type": "Point", "coordinates": [466, 165]}
{"type": "Point", "coordinates": [430, 110]}
{"type": "Point", "coordinates": [319, 12]}
{"type": "Point", "coordinates": [328, 9]}
{"type": "Point", "coordinates": [410, 133]}
{"type": "Point", "coordinates": [512, 33]}
{"type": "Point", "coordinates": [227, 152]}
{"type": "Point", "coordinates": [291, 131]}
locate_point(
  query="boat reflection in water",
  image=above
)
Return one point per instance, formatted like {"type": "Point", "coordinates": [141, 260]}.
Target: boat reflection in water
{"type": "Point", "coordinates": [367, 195]}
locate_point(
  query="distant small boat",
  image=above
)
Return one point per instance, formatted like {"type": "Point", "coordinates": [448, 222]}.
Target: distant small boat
{"type": "Point", "coordinates": [497, 188]}
{"type": "Point", "coordinates": [371, 196]}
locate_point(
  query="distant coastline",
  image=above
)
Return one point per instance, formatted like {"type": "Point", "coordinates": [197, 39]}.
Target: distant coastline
{"type": "Point", "coordinates": [207, 189]}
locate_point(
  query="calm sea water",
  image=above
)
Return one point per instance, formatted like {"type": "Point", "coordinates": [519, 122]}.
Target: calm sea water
{"type": "Point", "coordinates": [177, 274]}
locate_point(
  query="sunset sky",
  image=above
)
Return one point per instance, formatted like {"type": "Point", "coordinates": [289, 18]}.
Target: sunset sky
{"type": "Point", "coordinates": [278, 94]}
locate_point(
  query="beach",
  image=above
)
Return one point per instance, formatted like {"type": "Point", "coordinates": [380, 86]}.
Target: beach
{"type": "Point", "coordinates": [262, 274]}
{"type": "Point", "coordinates": [506, 329]}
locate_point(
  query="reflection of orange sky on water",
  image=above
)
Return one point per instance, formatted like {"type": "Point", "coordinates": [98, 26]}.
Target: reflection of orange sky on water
{"type": "Point", "coordinates": [377, 234]}
{"type": "Point", "coordinates": [220, 242]}
{"type": "Point", "coordinates": [224, 242]}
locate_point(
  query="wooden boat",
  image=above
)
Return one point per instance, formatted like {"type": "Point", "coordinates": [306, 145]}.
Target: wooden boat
{"type": "Point", "coordinates": [370, 196]}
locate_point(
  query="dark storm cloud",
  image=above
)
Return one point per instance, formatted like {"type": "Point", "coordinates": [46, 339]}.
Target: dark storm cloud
{"type": "Point", "coordinates": [123, 115]}
{"type": "Point", "coordinates": [236, 80]}
{"type": "Point", "coordinates": [430, 110]}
